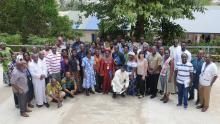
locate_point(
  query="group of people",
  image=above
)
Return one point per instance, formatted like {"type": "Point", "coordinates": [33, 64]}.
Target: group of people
{"type": "Point", "coordinates": [111, 66]}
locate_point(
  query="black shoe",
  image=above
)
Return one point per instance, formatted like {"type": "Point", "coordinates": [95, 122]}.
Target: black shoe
{"type": "Point", "coordinates": [199, 107]}
{"type": "Point", "coordinates": [47, 105]}
{"type": "Point", "coordinates": [39, 106]}
{"type": "Point", "coordinates": [122, 95]}
{"type": "Point", "coordinates": [153, 96]}
{"type": "Point", "coordinates": [190, 98]}
{"type": "Point", "coordinates": [114, 95]}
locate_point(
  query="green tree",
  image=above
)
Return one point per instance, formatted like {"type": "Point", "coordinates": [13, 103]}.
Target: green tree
{"type": "Point", "coordinates": [36, 17]}
{"type": "Point", "coordinates": [141, 15]}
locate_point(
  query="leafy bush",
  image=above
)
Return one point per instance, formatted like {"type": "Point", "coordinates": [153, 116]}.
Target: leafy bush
{"type": "Point", "coordinates": [11, 39]}
{"type": "Point", "coordinates": [35, 40]}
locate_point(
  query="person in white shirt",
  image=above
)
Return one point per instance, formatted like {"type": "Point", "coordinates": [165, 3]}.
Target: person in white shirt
{"type": "Point", "coordinates": [207, 78]}
{"type": "Point", "coordinates": [180, 51]}
{"type": "Point", "coordinates": [120, 82]}
{"type": "Point", "coordinates": [183, 77]}
{"type": "Point", "coordinates": [173, 49]}
{"type": "Point", "coordinates": [38, 74]}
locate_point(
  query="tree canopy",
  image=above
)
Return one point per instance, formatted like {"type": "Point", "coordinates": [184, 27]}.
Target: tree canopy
{"type": "Point", "coordinates": [36, 17]}
{"type": "Point", "coordinates": [142, 16]}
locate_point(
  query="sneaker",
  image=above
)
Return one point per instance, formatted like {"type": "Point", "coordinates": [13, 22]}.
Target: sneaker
{"type": "Point", "coordinates": [185, 107]}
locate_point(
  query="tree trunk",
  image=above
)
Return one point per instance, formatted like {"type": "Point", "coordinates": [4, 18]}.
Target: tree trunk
{"type": "Point", "coordinates": [139, 28]}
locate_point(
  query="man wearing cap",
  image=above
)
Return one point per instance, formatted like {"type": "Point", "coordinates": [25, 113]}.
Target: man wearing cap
{"type": "Point", "coordinates": [120, 82]}
{"type": "Point", "coordinates": [20, 87]}
{"type": "Point", "coordinates": [5, 58]}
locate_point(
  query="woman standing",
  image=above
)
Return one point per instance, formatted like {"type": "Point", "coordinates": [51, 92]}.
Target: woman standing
{"type": "Point", "coordinates": [142, 66]}
{"type": "Point", "coordinates": [89, 73]}
{"type": "Point", "coordinates": [30, 93]}
{"type": "Point", "coordinates": [107, 69]}
{"type": "Point", "coordinates": [166, 82]}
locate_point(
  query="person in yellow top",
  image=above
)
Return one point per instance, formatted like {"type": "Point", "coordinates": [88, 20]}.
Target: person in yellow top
{"type": "Point", "coordinates": [54, 92]}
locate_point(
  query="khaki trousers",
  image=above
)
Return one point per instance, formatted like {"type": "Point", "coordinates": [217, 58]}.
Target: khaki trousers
{"type": "Point", "coordinates": [204, 95]}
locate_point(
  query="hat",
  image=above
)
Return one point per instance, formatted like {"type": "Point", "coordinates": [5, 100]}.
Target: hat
{"type": "Point", "coordinates": [131, 53]}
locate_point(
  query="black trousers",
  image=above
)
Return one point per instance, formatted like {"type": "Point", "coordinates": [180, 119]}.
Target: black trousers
{"type": "Point", "coordinates": [15, 99]}
{"type": "Point", "coordinates": [153, 81]}
{"type": "Point", "coordinates": [22, 101]}
{"type": "Point", "coordinates": [99, 82]}
{"type": "Point", "coordinates": [141, 85]}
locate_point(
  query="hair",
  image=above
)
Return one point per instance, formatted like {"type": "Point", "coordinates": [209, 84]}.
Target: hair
{"type": "Point", "coordinates": [141, 52]}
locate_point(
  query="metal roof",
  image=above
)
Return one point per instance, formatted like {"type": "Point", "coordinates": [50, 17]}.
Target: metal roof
{"type": "Point", "coordinates": [208, 22]}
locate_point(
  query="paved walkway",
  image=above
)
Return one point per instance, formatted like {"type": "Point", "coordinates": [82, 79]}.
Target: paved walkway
{"type": "Point", "coordinates": [102, 109]}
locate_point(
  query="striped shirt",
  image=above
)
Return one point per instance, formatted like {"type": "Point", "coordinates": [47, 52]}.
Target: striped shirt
{"type": "Point", "coordinates": [53, 62]}
{"type": "Point", "coordinates": [183, 74]}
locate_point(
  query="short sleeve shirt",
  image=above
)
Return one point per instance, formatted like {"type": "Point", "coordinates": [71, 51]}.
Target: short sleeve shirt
{"type": "Point", "coordinates": [52, 90]}
{"type": "Point", "coordinates": [207, 74]}
{"type": "Point", "coordinates": [155, 61]}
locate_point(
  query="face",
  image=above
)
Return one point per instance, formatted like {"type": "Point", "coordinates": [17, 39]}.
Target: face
{"type": "Point", "coordinates": [41, 55]}
{"type": "Point", "coordinates": [64, 53]}
{"type": "Point", "coordinates": [130, 57]}
{"type": "Point", "coordinates": [142, 39]}
{"type": "Point", "coordinates": [116, 48]}
{"type": "Point", "coordinates": [68, 75]}
{"type": "Point", "coordinates": [207, 58]}
{"type": "Point", "coordinates": [74, 53]}
{"type": "Point", "coordinates": [89, 54]}
{"type": "Point", "coordinates": [78, 39]}
{"type": "Point", "coordinates": [47, 47]}
{"type": "Point", "coordinates": [26, 57]}
{"type": "Point", "coordinates": [135, 49]}
{"type": "Point", "coordinates": [34, 49]}
{"type": "Point", "coordinates": [126, 49]}
{"type": "Point", "coordinates": [122, 69]}
{"type": "Point", "coordinates": [35, 58]}
{"type": "Point", "coordinates": [167, 53]}
{"type": "Point", "coordinates": [53, 81]}
{"type": "Point", "coordinates": [54, 50]}
{"type": "Point", "coordinates": [142, 56]}
{"type": "Point", "coordinates": [200, 55]}
{"type": "Point", "coordinates": [175, 42]}
{"type": "Point", "coordinates": [159, 43]}
{"type": "Point", "coordinates": [183, 46]}
{"type": "Point", "coordinates": [154, 50]}
{"type": "Point", "coordinates": [161, 50]}
{"type": "Point", "coordinates": [82, 47]}
{"type": "Point", "coordinates": [184, 58]}
{"type": "Point", "coordinates": [97, 52]}
{"type": "Point", "coordinates": [107, 53]}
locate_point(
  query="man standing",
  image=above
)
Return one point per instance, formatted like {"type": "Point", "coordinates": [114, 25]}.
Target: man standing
{"type": "Point", "coordinates": [39, 73]}
{"type": "Point", "coordinates": [154, 71]}
{"type": "Point", "coordinates": [207, 78]}
{"type": "Point", "coordinates": [20, 87]}
{"type": "Point", "coordinates": [197, 66]}
{"type": "Point", "coordinates": [42, 60]}
{"type": "Point", "coordinates": [120, 82]}
{"type": "Point", "coordinates": [173, 49]}
{"type": "Point", "coordinates": [183, 77]}
{"type": "Point", "coordinates": [180, 52]}
{"type": "Point", "coordinates": [118, 57]}
{"type": "Point", "coordinates": [53, 60]}
{"type": "Point", "coordinates": [5, 58]}
{"type": "Point", "coordinates": [76, 45]}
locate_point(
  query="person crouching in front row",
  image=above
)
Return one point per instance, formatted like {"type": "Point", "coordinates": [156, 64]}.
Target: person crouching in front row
{"type": "Point", "coordinates": [54, 92]}
{"type": "Point", "coordinates": [69, 85]}
{"type": "Point", "coordinates": [120, 82]}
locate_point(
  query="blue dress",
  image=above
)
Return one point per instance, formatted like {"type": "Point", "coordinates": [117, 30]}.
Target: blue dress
{"type": "Point", "coordinates": [89, 80]}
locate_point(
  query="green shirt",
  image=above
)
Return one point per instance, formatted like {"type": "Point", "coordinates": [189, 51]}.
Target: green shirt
{"type": "Point", "coordinates": [6, 54]}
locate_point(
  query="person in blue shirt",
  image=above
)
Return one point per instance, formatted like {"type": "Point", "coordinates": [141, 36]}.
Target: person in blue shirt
{"type": "Point", "coordinates": [76, 45]}
{"type": "Point", "coordinates": [118, 57]}
{"type": "Point", "coordinates": [197, 63]}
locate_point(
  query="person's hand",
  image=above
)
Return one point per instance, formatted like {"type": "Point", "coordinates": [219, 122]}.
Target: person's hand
{"type": "Point", "coordinates": [21, 91]}
{"type": "Point", "coordinates": [169, 80]}
{"type": "Point", "coordinates": [143, 77]}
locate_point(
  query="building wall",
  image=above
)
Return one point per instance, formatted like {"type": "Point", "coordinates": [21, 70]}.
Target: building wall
{"type": "Point", "coordinates": [87, 35]}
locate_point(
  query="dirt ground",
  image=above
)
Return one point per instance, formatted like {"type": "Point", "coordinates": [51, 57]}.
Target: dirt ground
{"type": "Point", "coordinates": [102, 109]}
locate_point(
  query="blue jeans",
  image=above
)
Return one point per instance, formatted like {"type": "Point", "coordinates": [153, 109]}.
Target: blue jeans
{"type": "Point", "coordinates": [182, 94]}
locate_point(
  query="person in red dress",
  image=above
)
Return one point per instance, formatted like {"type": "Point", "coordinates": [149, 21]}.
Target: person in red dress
{"type": "Point", "coordinates": [107, 70]}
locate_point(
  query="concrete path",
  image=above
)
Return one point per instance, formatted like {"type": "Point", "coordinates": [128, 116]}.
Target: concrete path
{"type": "Point", "coordinates": [102, 109]}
